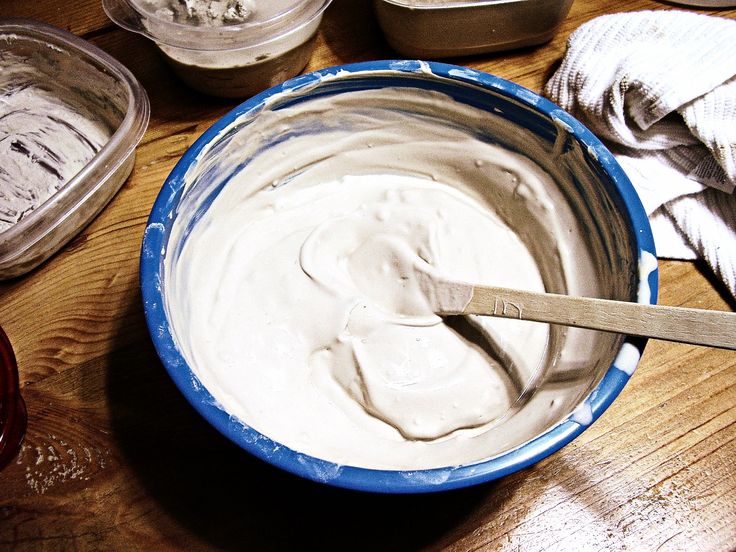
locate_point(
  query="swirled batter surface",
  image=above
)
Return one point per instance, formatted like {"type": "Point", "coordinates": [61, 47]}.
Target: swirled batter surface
{"type": "Point", "coordinates": [289, 301]}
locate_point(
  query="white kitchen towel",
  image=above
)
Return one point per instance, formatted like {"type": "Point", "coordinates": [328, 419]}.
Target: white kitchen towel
{"type": "Point", "coordinates": [659, 87]}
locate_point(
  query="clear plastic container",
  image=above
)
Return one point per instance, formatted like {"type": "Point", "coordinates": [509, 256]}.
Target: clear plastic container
{"type": "Point", "coordinates": [58, 64]}
{"type": "Point", "coordinates": [230, 59]}
{"type": "Point", "coordinates": [443, 28]}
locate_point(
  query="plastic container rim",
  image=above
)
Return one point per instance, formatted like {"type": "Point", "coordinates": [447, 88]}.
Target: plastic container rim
{"type": "Point", "coordinates": [213, 38]}
{"type": "Point", "coordinates": [451, 5]}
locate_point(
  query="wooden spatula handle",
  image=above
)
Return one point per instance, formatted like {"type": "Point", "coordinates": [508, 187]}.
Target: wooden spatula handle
{"type": "Point", "coordinates": [685, 325]}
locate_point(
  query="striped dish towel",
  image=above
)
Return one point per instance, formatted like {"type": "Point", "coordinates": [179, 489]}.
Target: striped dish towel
{"type": "Point", "coordinates": [659, 88]}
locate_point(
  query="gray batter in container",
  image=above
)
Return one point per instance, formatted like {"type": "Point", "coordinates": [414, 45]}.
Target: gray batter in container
{"type": "Point", "coordinates": [44, 141]}
{"type": "Point", "coordinates": [212, 13]}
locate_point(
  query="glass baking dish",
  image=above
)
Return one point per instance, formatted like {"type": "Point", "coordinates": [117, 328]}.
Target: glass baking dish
{"type": "Point", "coordinates": [37, 58]}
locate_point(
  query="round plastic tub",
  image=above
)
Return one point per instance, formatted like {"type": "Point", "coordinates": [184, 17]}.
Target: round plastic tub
{"type": "Point", "coordinates": [233, 59]}
{"type": "Point", "coordinates": [583, 372]}
{"type": "Point", "coordinates": [55, 63]}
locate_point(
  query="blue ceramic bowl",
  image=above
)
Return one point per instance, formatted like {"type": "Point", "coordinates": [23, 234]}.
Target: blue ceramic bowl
{"type": "Point", "coordinates": [629, 256]}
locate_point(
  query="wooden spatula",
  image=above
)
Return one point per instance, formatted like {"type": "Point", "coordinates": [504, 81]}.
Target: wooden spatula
{"type": "Point", "coordinates": [685, 325]}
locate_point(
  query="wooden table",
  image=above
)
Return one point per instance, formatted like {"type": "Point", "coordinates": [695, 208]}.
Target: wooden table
{"type": "Point", "coordinates": [115, 459]}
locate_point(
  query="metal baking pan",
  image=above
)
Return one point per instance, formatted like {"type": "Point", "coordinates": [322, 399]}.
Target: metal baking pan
{"type": "Point", "coordinates": [444, 28]}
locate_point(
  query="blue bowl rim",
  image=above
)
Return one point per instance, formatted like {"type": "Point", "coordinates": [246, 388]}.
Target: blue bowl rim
{"type": "Point", "coordinates": [365, 479]}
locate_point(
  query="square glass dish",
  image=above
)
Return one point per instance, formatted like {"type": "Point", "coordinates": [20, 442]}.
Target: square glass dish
{"type": "Point", "coordinates": [71, 117]}
{"type": "Point", "coordinates": [444, 28]}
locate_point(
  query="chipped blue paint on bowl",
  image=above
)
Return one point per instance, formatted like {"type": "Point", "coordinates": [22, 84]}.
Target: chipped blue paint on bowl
{"type": "Point", "coordinates": [529, 110]}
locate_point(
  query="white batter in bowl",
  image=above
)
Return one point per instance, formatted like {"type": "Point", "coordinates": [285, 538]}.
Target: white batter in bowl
{"type": "Point", "coordinates": [283, 293]}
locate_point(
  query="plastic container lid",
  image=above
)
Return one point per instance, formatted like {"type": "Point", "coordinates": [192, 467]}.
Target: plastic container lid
{"type": "Point", "coordinates": [57, 62]}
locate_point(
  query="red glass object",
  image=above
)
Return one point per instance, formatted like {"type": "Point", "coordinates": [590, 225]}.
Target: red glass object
{"type": "Point", "coordinates": [12, 408]}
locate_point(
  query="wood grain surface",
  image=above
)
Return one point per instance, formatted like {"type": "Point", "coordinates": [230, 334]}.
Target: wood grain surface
{"type": "Point", "coordinates": [115, 459]}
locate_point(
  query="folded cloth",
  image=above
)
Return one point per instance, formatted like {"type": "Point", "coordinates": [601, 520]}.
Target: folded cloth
{"type": "Point", "coordinates": [659, 88]}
